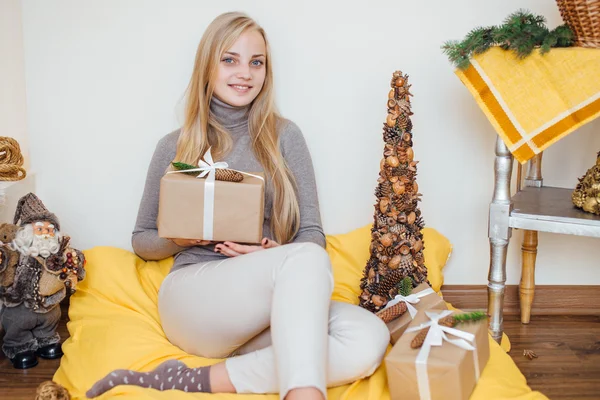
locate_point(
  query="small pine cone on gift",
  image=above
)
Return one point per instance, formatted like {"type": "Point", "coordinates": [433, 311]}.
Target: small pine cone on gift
{"type": "Point", "coordinates": [228, 175]}
{"type": "Point", "coordinates": [393, 312]}
{"type": "Point", "coordinates": [420, 338]}
{"type": "Point", "coordinates": [449, 321]}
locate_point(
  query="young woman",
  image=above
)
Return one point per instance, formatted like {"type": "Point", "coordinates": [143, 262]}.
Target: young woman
{"type": "Point", "coordinates": [265, 308]}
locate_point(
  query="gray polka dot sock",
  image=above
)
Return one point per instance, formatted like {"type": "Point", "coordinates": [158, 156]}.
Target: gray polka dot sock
{"type": "Point", "coordinates": [172, 374]}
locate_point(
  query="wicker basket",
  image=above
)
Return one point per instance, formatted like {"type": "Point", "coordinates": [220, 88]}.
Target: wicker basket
{"type": "Point", "coordinates": [583, 17]}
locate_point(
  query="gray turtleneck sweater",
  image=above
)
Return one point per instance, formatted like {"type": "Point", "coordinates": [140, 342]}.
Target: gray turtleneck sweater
{"type": "Point", "coordinates": [146, 242]}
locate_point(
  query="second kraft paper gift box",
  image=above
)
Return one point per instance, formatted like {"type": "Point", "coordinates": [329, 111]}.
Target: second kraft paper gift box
{"type": "Point", "coordinates": [445, 367]}
{"type": "Point", "coordinates": [235, 212]}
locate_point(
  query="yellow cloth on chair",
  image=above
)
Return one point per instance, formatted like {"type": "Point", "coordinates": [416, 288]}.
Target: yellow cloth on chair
{"type": "Point", "coordinates": [534, 102]}
{"type": "Point", "coordinates": [114, 324]}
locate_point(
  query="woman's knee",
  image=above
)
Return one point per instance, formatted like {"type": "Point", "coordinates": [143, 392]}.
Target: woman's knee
{"type": "Point", "coordinates": [313, 257]}
{"type": "Point", "coordinates": [368, 339]}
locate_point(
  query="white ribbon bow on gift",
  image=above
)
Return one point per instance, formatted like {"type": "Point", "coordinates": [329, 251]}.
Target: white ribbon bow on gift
{"type": "Point", "coordinates": [208, 168]}
{"type": "Point", "coordinates": [411, 299]}
{"type": "Point", "coordinates": [435, 337]}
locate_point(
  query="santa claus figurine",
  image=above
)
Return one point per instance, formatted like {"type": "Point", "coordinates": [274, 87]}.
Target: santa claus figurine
{"type": "Point", "coordinates": [36, 271]}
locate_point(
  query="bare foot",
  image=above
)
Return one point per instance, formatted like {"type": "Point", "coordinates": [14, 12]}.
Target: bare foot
{"type": "Point", "coordinates": [309, 393]}
{"type": "Point", "coordinates": [219, 379]}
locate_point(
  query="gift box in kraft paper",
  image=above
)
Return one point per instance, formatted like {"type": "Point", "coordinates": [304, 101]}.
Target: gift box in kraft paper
{"type": "Point", "coordinates": [238, 212]}
{"type": "Point", "coordinates": [451, 370]}
{"type": "Point", "coordinates": [429, 302]}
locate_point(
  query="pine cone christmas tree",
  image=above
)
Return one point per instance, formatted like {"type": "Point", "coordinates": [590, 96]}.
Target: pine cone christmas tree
{"type": "Point", "coordinates": [587, 192]}
{"type": "Point", "coordinates": [396, 238]}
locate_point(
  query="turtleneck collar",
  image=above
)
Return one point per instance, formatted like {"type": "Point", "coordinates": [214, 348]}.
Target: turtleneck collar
{"type": "Point", "coordinates": [229, 116]}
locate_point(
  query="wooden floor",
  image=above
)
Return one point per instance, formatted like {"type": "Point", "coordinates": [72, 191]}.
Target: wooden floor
{"type": "Point", "coordinates": [567, 366]}
{"type": "Point", "coordinates": [568, 350]}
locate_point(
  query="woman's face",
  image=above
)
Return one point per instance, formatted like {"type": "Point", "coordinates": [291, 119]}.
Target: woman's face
{"type": "Point", "coordinates": [242, 70]}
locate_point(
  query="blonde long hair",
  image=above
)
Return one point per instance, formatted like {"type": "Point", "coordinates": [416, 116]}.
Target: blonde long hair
{"type": "Point", "coordinates": [263, 120]}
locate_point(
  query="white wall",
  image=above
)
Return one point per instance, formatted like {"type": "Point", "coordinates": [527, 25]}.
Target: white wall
{"type": "Point", "coordinates": [104, 79]}
{"type": "Point", "coordinates": [13, 112]}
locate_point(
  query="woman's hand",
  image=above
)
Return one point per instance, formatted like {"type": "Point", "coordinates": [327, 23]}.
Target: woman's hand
{"type": "Point", "coordinates": [232, 249]}
{"type": "Point", "coordinates": [190, 242]}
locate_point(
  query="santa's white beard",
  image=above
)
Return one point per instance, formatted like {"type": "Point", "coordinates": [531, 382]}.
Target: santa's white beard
{"type": "Point", "coordinates": [28, 243]}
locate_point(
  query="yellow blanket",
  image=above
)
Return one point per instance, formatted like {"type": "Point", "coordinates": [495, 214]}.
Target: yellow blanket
{"type": "Point", "coordinates": [534, 102]}
{"type": "Point", "coordinates": [114, 323]}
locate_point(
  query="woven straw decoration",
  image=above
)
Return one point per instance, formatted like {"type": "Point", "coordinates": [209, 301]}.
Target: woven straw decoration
{"type": "Point", "coordinates": [583, 17]}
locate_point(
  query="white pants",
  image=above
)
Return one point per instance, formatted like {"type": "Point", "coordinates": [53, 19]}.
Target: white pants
{"type": "Point", "coordinates": [225, 308]}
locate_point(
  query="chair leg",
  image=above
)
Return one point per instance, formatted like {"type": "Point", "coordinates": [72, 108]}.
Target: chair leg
{"type": "Point", "coordinates": [499, 233]}
{"type": "Point", "coordinates": [527, 286]}
{"type": "Point", "coordinates": [496, 285]}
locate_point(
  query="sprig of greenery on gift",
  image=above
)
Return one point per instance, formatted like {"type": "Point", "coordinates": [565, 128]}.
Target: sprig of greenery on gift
{"type": "Point", "coordinates": [469, 317]}
{"type": "Point", "coordinates": [405, 286]}
{"type": "Point", "coordinates": [521, 32]}
{"type": "Point", "coordinates": [183, 166]}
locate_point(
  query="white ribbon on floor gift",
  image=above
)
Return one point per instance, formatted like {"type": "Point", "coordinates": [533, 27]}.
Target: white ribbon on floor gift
{"type": "Point", "coordinates": [208, 168]}
{"type": "Point", "coordinates": [411, 299]}
{"type": "Point", "coordinates": [436, 337]}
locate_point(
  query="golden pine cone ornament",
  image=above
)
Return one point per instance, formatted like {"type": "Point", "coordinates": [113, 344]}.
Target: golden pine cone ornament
{"type": "Point", "coordinates": [592, 204]}
{"type": "Point", "coordinates": [396, 239]}
{"type": "Point", "coordinates": [578, 198]}
{"type": "Point", "coordinates": [587, 192]}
